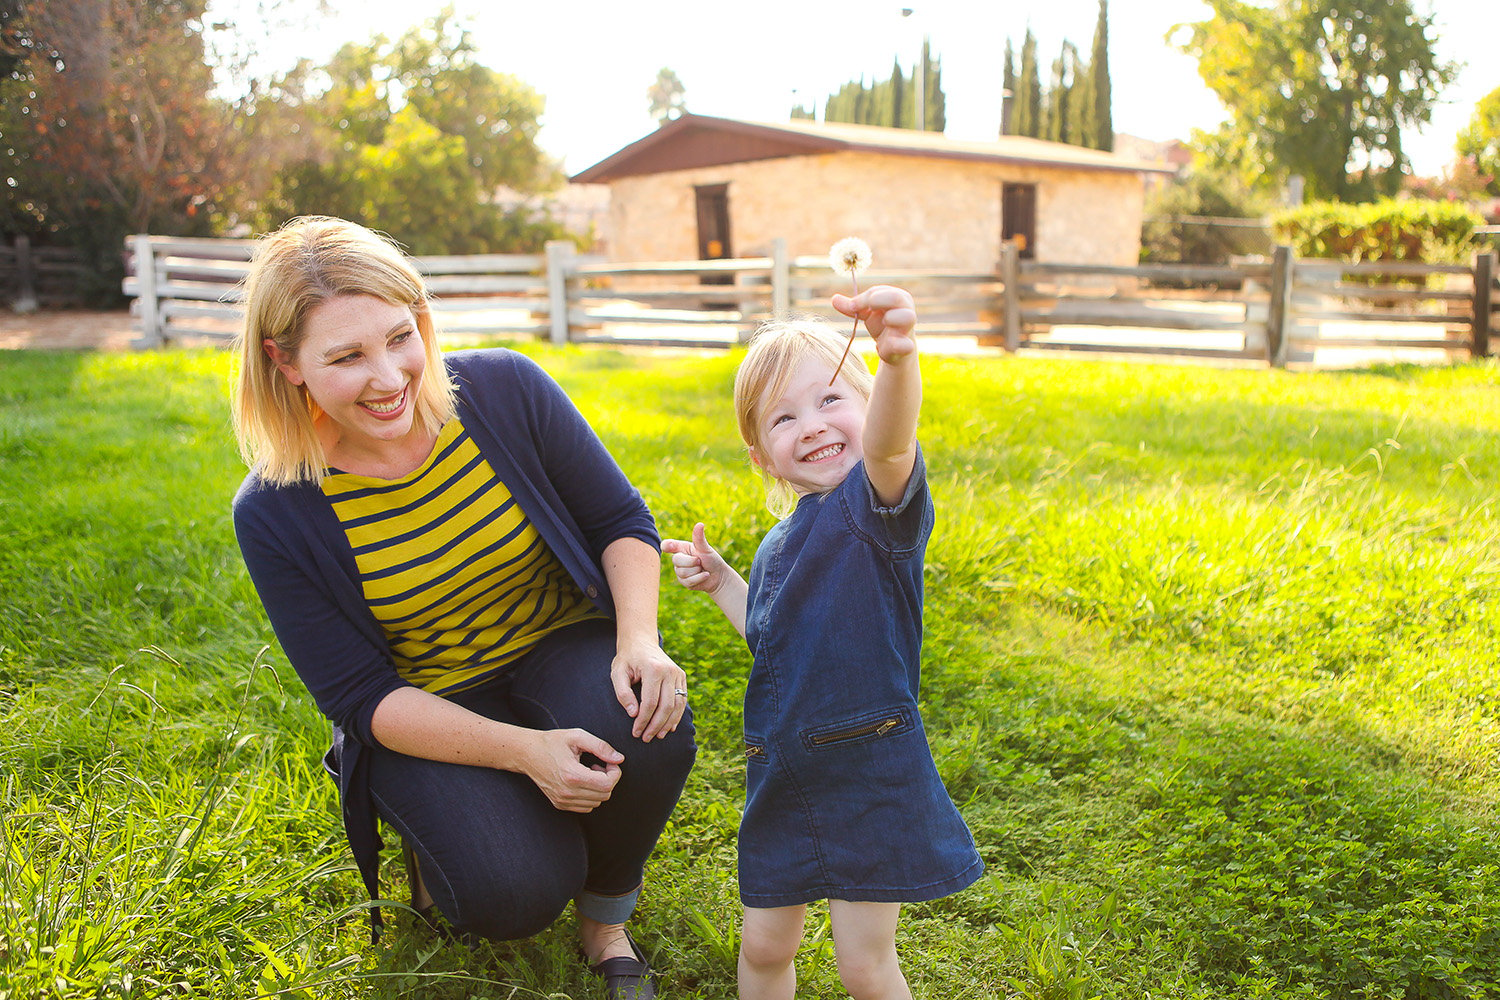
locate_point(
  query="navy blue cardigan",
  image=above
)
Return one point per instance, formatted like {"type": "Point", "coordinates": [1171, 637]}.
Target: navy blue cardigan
{"type": "Point", "coordinates": [300, 561]}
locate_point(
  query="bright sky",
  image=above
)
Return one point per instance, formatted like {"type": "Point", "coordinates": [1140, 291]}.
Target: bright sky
{"type": "Point", "coordinates": [593, 60]}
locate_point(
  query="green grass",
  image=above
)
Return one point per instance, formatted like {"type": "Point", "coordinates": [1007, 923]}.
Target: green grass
{"type": "Point", "coordinates": [1210, 669]}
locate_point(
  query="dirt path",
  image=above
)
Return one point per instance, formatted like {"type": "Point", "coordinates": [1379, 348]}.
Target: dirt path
{"type": "Point", "coordinates": [66, 329]}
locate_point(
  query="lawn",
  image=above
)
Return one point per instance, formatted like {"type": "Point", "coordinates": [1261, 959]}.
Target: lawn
{"type": "Point", "coordinates": [1209, 668]}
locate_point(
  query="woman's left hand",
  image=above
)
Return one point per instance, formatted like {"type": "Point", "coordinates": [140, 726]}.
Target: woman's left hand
{"type": "Point", "coordinates": [663, 687]}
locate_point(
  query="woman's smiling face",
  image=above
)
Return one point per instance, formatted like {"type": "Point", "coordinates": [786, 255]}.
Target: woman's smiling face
{"type": "Point", "coordinates": [361, 360]}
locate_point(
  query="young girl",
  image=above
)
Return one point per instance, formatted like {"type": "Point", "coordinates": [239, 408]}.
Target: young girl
{"type": "Point", "coordinates": [843, 801]}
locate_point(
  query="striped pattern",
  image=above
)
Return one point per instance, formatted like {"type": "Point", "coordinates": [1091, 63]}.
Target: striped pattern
{"type": "Point", "coordinates": [454, 572]}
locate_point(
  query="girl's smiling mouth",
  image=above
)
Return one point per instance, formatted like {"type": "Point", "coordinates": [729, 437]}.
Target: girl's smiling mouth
{"type": "Point", "coordinates": [824, 453]}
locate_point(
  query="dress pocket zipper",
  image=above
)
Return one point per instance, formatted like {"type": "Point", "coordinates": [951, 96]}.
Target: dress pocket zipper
{"type": "Point", "coordinates": [879, 727]}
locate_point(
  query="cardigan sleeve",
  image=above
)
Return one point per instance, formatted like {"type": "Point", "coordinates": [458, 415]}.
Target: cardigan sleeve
{"type": "Point", "coordinates": [346, 669]}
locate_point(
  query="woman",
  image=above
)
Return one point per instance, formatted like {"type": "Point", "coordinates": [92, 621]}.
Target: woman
{"type": "Point", "coordinates": [467, 584]}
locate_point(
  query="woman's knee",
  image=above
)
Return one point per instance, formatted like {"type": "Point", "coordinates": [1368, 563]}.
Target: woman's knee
{"type": "Point", "coordinates": [503, 905]}
{"type": "Point", "coordinates": [676, 752]}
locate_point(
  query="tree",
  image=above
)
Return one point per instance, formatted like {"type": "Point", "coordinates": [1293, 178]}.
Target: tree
{"type": "Point", "coordinates": [1057, 107]}
{"type": "Point", "coordinates": [934, 102]}
{"type": "Point", "coordinates": [1008, 91]}
{"type": "Point", "coordinates": [666, 97]}
{"type": "Point", "coordinates": [1190, 220]}
{"type": "Point", "coordinates": [1481, 139]}
{"type": "Point", "coordinates": [1322, 88]}
{"type": "Point", "coordinates": [110, 126]}
{"type": "Point", "coordinates": [413, 137]}
{"type": "Point", "coordinates": [892, 102]}
{"type": "Point", "coordinates": [899, 117]}
{"type": "Point", "coordinates": [1099, 126]}
{"type": "Point", "coordinates": [1028, 103]}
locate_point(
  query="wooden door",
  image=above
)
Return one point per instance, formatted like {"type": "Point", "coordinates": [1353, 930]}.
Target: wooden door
{"type": "Point", "coordinates": [713, 228]}
{"type": "Point", "coordinates": [1018, 216]}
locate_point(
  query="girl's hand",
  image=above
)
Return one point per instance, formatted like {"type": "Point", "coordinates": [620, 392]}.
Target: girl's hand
{"type": "Point", "coordinates": [660, 706]}
{"type": "Point", "coordinates": [556, 765]}
{"type": "Point", "coordinates": [889, 313]}
{"type": "Point", "coordinates": [697, 564]}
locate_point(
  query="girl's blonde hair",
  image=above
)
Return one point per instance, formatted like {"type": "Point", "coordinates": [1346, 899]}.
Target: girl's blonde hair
{"type": "Point", "coordinates": [775, 351]}
{"type": "Point", "coordinates": [303, 264]}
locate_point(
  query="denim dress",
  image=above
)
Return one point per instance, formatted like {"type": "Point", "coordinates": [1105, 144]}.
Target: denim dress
{"type": "Point", "coordinates": [843, 800]}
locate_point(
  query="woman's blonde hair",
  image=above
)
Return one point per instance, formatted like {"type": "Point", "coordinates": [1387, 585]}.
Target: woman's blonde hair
{"type": "Point", "coordinates": [292, 271]}
{"type": "Point", "coordinates": [775, 351]}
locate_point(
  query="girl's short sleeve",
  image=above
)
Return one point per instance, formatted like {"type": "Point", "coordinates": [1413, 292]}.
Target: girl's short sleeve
{"type": "Point", "coordinates": [901, 528]}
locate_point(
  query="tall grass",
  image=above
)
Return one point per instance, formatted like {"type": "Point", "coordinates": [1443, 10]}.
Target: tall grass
{"type": "Point", "coordinates": [1209, 668]}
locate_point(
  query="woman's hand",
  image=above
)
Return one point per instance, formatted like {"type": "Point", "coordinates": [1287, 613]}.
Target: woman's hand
{"type": "Point", "coordinates": [643, 662]}
{"type": "Point", "coordinates": [556, 764]}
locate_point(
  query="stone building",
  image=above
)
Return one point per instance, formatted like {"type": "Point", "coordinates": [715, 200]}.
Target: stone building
{"type": "Point", "coordinates": [701, 187]}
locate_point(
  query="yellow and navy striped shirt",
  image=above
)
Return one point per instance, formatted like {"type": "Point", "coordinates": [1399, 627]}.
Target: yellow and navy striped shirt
{"type": "Point", "coordinates": [453, 570]}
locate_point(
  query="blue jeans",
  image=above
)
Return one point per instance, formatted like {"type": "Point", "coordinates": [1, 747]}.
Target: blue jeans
{"type": "Point", "coordinates": [499, 860]}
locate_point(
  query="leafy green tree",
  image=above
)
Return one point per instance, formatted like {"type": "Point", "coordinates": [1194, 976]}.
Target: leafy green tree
{"type": "Point", "coordinates": [1481, 139]}
{"type": "Point", "coordinates": [666, 98]}
{"type": "Point", "coordinates": [1322, 88]}
{"type": "Point", "coordinates": [108, 125]}
{"type": "Point", "coordinates": [413, 137]}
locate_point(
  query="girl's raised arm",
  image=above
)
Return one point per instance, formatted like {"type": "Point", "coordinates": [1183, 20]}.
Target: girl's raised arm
{"type": "Point", "coordinates": [890, 434]}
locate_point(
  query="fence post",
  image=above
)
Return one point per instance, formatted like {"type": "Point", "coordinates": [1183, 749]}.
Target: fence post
{"type": "Point", "coordinates": [1282, 263]}
{"type": "Point", "coordinates": [560, 254]}
{"type": "Point", "coordinates": [781, 279]}
{"type": "Point", "coordinates": [1010, 277]}
{"type": "Point", "coordinates": [26, 300]}
{"type": "Point", "coordinates": [1484, 300]}
{"type": "Point", "coordinates": [145, 280]}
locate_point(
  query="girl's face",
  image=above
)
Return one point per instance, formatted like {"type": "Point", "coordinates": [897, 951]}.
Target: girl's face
{"type": "Point", "coordinates": [361, 360]}
{"type": "Point", "coordinates": [811, 437]}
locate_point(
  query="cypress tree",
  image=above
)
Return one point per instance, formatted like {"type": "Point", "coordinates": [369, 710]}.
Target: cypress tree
{"type": "Point", "coordinates": [1028, 91]}
{"type": "Point", "coordinates": [1081, 103]}
{"type": "Point", "coordinates": [937, 105]}
{"type": "Point", "coordinates": [890, 102]}
{"type": "Point", "coordinates": [1059, 127]}
{"type": "Point", "coordinates": [1008, 92]}
{"type": "Point", "coordinates": [898, 96]}
{"type": "Point", "coordinates": [1103, 123]}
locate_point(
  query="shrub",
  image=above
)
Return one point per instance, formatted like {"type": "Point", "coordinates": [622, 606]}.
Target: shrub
{"type": "Point", "coordinates": [1180, 220]}
{"type": "Point", "coordinates": [1413, 230]}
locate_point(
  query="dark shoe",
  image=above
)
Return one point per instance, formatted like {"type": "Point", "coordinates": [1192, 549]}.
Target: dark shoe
{"type": "Point", "coordinates": [627, 978]}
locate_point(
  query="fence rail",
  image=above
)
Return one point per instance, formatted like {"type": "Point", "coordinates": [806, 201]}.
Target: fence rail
{"type": "Point", "coordinates": [1280, 310]}
{"type": "Point", "coordinates": [32, 277]}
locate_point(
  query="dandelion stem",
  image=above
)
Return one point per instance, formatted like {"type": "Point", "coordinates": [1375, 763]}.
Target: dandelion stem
{"type": "Point", "coordinates": [852, 334]}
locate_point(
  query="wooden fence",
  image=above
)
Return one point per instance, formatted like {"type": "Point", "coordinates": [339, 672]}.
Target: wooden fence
{"type": "Point", "coordinates": [1278, 310]}
{"type": "Point", "coordinates": [33, 277]}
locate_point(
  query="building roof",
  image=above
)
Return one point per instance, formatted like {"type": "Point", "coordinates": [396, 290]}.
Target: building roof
{"type": "Point", "coordinates": [705, 141]}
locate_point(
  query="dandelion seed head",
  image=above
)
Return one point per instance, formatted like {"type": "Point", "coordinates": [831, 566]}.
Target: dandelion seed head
{"type": "Point", "coordinates": [849, 255]}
